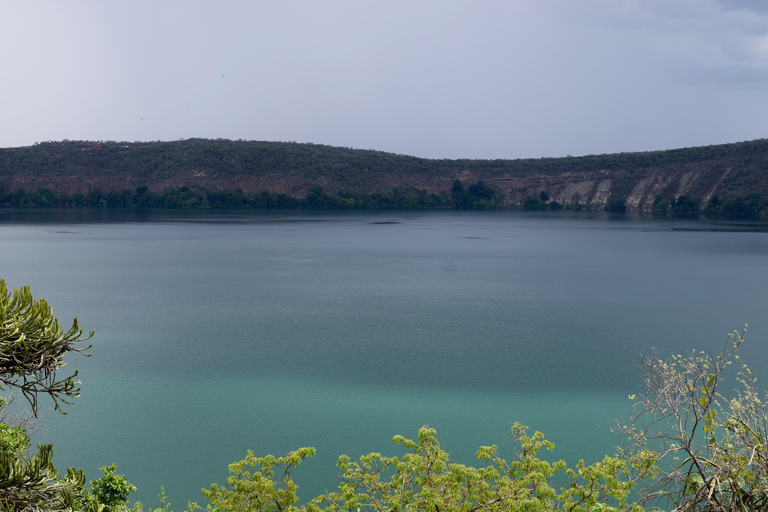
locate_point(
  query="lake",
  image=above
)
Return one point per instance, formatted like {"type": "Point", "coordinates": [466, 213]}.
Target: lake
{"type": "Point", "coordinates": [223, 331]}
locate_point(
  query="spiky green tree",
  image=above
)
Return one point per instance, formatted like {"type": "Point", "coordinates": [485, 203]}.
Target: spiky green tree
{"type": "Point", "coordinates": [32, 349]}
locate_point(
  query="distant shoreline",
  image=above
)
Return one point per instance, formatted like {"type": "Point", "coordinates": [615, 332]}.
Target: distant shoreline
{"type": "Point", "coordinates": [727, 181]}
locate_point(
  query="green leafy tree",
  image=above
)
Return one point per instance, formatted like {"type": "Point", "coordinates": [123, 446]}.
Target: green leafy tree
{"type": "Point", "coordinates": [714, 207]}
{"type": "Point", "coordinates": [426, 479]}
{"type": "Point", "coordinates": [478, 197]}
{"type": "Point", "coordinates": [660, 206]}
{"type": "Point", "coordinates": [109, 493]}
{"type": "Point", "coordinates": [259, 484]}
{"type": "Point", "coordinates": [531, 203]}
{"type": "Point", "coordinates": [13, 438]}
{"type": "Point", "coordinates": [685, 207]}
{"type": "Point", "coordinates": [32, 347]}
{"type": "Point", "coordinates": [317, 199]}
{"type": "Point", "coordinates": [457, 192]}
{"type": "Point", "coordinates": [616, 205]}
{"type": "Point", "coordinates": [743, 209]}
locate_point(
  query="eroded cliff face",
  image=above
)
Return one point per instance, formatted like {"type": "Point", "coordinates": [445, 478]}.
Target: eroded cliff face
{"type": "Point", "coordinates": [596, 189]}
{"type": "Point", "coordinates": [592, 190]}
{"type": "Point", "coordinates": [293, 169]}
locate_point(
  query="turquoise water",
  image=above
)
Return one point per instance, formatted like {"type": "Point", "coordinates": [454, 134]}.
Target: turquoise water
{"type": "Point", "coordinates": [219, 332]}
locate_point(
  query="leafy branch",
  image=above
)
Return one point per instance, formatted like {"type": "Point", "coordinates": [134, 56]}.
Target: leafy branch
{"type": "Point", "coordinates": [32, 348]}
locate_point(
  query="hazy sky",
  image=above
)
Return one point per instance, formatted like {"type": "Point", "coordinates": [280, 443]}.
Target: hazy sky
{"type": "Point", "coordinates": [438, 79]}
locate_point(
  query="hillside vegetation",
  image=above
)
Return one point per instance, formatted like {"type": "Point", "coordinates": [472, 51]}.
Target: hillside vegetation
{"type": "Point", "coordinates": [728, 180]}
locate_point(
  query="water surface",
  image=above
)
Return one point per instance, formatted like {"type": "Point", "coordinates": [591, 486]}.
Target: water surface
{"type": "Point", "coordinates": [219, 332]}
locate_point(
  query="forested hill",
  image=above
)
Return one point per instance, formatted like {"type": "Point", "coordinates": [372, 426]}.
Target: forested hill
{"type": "Point", "coordinates": [199, 172]}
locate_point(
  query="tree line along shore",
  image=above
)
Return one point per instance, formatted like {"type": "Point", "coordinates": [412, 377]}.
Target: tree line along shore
{"type": "Point", "coordinates": [719, 181]}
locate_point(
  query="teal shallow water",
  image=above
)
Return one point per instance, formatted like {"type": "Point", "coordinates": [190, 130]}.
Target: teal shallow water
{"type": "Point", "coordinates": [219, 332]}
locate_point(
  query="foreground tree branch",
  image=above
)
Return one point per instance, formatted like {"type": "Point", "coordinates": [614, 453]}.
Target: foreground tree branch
{"type": "Point", "coordinates": [32, 348]}
{"type": "Point", "coordinates": [704, 451]}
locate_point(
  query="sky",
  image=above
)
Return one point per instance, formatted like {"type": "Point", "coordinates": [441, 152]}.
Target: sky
{"type": "Point", "coordinates": [436, 79]}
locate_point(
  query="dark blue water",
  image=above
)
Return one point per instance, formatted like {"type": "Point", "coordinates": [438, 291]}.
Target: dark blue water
{"type": "Point", "coordinates": [219, 332]}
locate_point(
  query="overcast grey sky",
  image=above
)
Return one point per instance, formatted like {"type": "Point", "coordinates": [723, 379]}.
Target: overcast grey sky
{"type": "Point", "coordinates": [438, 79]}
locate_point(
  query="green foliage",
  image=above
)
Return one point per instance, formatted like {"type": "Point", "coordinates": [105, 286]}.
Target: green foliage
{"type": "Point", "coordinates": [32, 348]}
{"type": "Point", "coordinates": [33, 345]}
{"type": "Point", "coordinates": [575, 203]}
{"type": "Point", "coordinates": [660, 206]}
{"type": "Point", "coordinates": [32, 483]}
{"type": "Point", "coordinates": [714, 208]}
{"type": "Point", "coordinates": [531, 203]}
{"type": "Point", "coordinates": [13, 439]}
{"type": "Point", "coordinates": [616, 206]}
{"type": "Point", "coordinates": [252, 485]}
{"type": "Point", "coordinates": [704, 451]}
{"type": "Point", "coordinates": [184, 197]}
{"type": "Point", "coordinates": [681, 207]}
{"type": "Point", "coordinates": [457, 191]}
{"type": "Point", "coordinates": [426, 479]}
{"type": "Point", "coordinates": [685, 207]}
{"type": "Point", "coordinates": [478, 196]}
{"type": "Point", "coordinates": [317, 199]}
{"type": "Point", "coordinates": [748, 208]}
{"type": "Point", "coordinates": [110, 490]}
